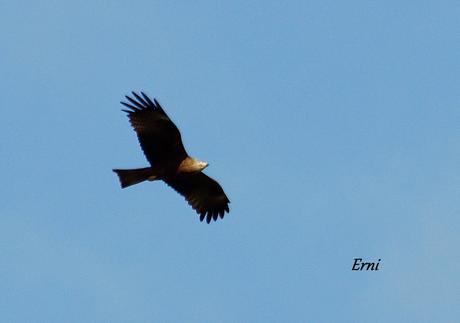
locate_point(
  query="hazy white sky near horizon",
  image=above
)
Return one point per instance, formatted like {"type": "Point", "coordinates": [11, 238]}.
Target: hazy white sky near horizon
{"type": "Point", "coordinates": [333, 126]}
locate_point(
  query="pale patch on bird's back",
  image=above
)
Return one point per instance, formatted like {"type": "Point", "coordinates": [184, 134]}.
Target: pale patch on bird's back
{"type": "Point", "coordinates": [152, 178]}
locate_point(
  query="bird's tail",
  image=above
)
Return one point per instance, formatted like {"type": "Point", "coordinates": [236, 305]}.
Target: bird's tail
{"type": "Point", "coordinates": [130, 177]}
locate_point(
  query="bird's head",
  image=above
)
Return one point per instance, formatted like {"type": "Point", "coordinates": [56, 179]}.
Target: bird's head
{"type": "Point", "coordinates": [192, 165]}
{"type": "Point", "coordinates": [200, 164]}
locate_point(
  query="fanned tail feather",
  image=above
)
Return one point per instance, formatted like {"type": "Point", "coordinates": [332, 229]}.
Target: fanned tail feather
{"type": "Point", "coordinates": [130, 177]}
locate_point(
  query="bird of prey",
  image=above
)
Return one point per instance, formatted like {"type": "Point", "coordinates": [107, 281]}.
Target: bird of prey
{"type": "Point", "coordinates": [161, 143]}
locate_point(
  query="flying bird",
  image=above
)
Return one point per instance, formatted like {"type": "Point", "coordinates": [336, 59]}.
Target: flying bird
{"type": "Point", "coordinates": [162, 145]}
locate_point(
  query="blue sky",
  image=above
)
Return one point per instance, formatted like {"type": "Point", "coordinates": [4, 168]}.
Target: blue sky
{"type": "Point", "coordinates": [333, 127]}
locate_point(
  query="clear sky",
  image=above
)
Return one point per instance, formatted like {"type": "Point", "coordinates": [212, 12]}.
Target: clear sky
{"type": "Point", "coordinates": [333, 126]}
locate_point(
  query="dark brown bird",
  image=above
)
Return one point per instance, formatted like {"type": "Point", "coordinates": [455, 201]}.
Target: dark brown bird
{"type": "Point", "coordinates": [162, 145]}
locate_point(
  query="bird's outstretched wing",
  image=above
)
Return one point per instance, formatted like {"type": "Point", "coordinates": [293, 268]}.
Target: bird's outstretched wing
{"type": "Point", "coordinates": [203, 193]}
{"type": "Point", "coordinates": [158, 135]}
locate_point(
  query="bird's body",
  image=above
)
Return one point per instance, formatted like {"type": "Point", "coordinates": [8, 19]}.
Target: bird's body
{"type": "Point", "coordinates": [161, 142]}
